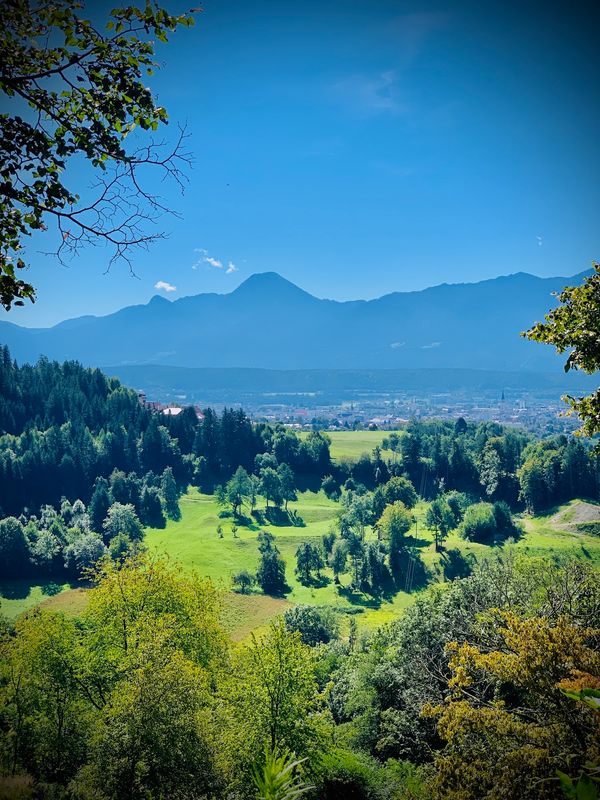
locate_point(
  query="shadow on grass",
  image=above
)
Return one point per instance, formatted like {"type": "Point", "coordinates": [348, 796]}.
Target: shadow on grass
{"type": "Point", "coordinates": [308, 483]}
{"type": "Point", "coordinates": [508, 537]}
{"type": "Point", "coordinates": [20, 588]}
{"type": "Point", "coordinates": [316, 581]}
{"type": "Point", "coordinates": [456, 565]}
{"type": "Point", "coordinates": [278, 593]}
{"type": "Point", "coordinates": [413, 541]}
{"type": "Point", "coordinates": [278, 517]}
{"type": "Point", "coordinates": [410, 571]}
{"type": "Point", "coordinates": [357, 598]}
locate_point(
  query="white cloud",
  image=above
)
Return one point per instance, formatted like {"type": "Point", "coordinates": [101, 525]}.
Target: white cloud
{"type": "Point", "coordinates": [540, 241]}
{"type": "Point", "coordinates": [205, 258]}
{"type": "Point", "coordinates": [429, 346]}
{"type": "Point", "coordinates": [164, 286]}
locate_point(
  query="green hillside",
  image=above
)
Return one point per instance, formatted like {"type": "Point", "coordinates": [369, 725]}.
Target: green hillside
{"type": "Point", "coordinates": [194, 543]}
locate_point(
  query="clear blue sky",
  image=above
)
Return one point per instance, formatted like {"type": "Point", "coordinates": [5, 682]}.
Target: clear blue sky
{"type": "Point", "coordinates": [366, 146]}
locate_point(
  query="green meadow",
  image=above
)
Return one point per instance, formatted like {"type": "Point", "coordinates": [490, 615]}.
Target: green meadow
{"type": "Point", "coordinates": [352, 444]}
{"type": "Point", "coordinates": [195, 544]}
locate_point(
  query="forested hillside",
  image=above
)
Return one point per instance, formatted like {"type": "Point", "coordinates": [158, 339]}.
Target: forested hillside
{"type": "Point", "coordinates": [487, 689]}
{"type": "Point", "coordinates": [84, 466]}
{"type": "Point", "coordinates": [143, 692]}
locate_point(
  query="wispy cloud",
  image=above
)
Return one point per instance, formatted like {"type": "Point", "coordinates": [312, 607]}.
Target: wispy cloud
{"type": "Point", "coordinates": [163, 286]}
{"type": "Point", "coordinates": [205, 258]}
{"type": "Point", "coordinates": [371, 94]}
{"type": "Point", "coordinates": [540, 241]}
{"type": "Point", "coordinates": [385, 91]}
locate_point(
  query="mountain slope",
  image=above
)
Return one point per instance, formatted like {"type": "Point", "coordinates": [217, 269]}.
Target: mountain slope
{"type": "Point", "coordinates": [268, 322]}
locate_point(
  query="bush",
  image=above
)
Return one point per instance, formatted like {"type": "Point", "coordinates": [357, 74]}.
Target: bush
{"type": "Point", "coordinates": [345, 775]}
{"type": "Point", "coordinates": [84, 553]}
{"type": "Point", "coordinates": [243, 581]}
{"type": "Point", "coordinates": [458, 503]}
{"type": "Point", "coordinates": [456, 565]}
{"type": "Point", "coordinates": [590, 528]}
{"type": "Point", "coordinates": [330, 487]}
{"type": "Point", "coordinates": [479, 523]}
{"type": "Point", "coordinates": [504, 520]}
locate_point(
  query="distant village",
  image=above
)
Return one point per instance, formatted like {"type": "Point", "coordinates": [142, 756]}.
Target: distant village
{"type": "Point", "coordinates": [537, 412]}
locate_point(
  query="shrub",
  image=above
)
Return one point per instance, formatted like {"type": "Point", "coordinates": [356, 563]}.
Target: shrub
{"type": "Point", "coordinates": [330, 486]}
{"type": "Point", "coordinates": [479, 523]}
{"type": "Point", "coordinates": [351, 776]}
{"type": "Point", "coordinates": [243, 581]}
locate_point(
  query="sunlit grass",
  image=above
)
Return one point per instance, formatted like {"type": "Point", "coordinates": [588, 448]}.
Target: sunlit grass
{"type": "Point", "coordinates": [352, 444]}
{"type": "Point", "coordinates": [195, 544]}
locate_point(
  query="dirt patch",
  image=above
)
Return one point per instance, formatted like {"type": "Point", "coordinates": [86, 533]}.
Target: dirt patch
{"type": "Point", "coordinates": [580, 517]}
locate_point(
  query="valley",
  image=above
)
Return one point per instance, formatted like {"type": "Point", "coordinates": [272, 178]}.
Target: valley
{"type": "Point", "coordinates": [194, 544]}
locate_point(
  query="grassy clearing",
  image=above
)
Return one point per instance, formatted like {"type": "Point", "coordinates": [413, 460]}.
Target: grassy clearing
{"type": "Point", "coordinates": [71, 602]}
{"type": "Point", "coordinates": [20, 595]}
{"type": "Point", "coordinates": [351, 445]}
{"type": "Point", "coordinates": [547, 532]}
{"type": "Point", "coordinates": [244, 614]}
{"type": "Point", "coordinates": [195, 544]}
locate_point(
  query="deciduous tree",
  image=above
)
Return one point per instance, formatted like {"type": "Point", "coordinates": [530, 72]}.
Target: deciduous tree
{"type": "Point", "coordinates": [574, 326]}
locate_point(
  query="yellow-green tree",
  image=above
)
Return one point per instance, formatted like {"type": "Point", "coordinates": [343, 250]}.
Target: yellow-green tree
{"type": "Point", "coordinates": [271, 700]}
{"type": "Point", "coordinates": [144, 599]}
{"type": "Point", "coordinates": [508, 726]}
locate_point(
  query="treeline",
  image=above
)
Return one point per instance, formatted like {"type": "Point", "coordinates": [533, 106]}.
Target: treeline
{"type": "Point", "coordinates": [486, 688]}
{"type": "Point", "coordinates": [487, 461]}
{"type": "Point", "coordinates": [84, 465]}
{"type": "Point", "coordinates": [64, 543]}
{"type": "Point", "coordinates": [62, 426]}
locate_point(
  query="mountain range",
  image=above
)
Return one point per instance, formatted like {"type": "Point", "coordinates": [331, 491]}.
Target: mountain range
{"type": "Point", "coordinates": [270, 323]}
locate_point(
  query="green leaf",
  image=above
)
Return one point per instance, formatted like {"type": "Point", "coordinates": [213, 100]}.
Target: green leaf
{"type": "Point", "coordinates": [586, 789]}
{"type": "Point", "coordinates": [566, 784]}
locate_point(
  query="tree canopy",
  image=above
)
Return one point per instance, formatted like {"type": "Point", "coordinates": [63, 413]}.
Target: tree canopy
{"type": "Point", "coordinates": [575, 326]}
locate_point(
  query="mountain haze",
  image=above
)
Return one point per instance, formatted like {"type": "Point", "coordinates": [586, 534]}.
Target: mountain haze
{"type": "Point", "coordinates": [270, 323]}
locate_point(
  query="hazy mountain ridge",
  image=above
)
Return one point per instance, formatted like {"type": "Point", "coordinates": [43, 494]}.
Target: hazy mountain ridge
{"type": "Point", "coordinates": [270, 323]}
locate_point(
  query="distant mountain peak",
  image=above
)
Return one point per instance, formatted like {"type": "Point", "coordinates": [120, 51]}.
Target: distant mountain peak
{"type": "Point", "coordinates": [263, 284]}
{"type": "Point", "coordinates": [270, 323]}
{"type": "Point", "coordinates": [157, 299]}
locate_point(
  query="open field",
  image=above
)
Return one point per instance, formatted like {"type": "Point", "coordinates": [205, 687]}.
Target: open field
{"type": "Point", "coordinates": [19, 595]}
{"type": "Point", "coordinates": [195, 544]}
{"type": "Point", "coordinates": [352, 444]}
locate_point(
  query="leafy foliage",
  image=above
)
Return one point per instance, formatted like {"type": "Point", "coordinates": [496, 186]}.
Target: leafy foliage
{"type": "Point", "coordinates": [575, 326]}
{"type": "Point", "coordinates": [277, 779]}
{"type": "Point", "coordinates": [71, 90]}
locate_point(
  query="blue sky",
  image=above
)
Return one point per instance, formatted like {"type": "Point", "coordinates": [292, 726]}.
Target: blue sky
{"type": "Point", "coordinates": [359, 148]}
